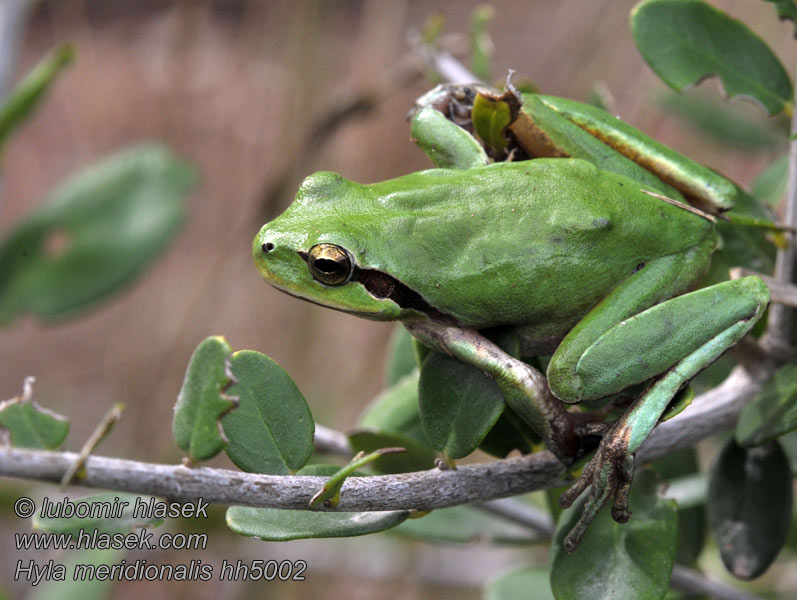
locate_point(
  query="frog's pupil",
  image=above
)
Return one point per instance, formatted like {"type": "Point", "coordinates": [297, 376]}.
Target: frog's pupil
{"type": "Point", "coordinates": [326, 265]}
{"type": "Point", "coordinates": [267, 247]}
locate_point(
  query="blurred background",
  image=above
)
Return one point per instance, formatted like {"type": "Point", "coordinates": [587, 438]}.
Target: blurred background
{"type": "Point", "coordinates": [238, 88]}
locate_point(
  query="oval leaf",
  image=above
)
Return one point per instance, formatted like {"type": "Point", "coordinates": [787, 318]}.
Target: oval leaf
{"type": "Point", "coordinates": [520, 584]}
{"type": "Point", "coordinates": [685, 41]}
{"type": "Point", "coordinates": [201, 402]}
{"type": "Point", "coordinates": [110, 512]}
{"type": "Point", "coordinates": [692, 528]}
{"type": "Point", "coordinates": [773, 412]}
{"type": "Point", "coordinates": [629, 560]}
{"type": "Point", "coordinates": [91, 583]}
{"type": "Point", "coordinates": [458, 403]}
{"type": "Point", "coordinates": [723, 123]}
{"type": "Point", "coordinates": [94, 234]}
{"type": "Point", "coordinates": [770, 185]}
{"type": "Point", "coordinates": [509, 433]}
{"type": "Point", "coordinates": [271, 431]}
{"type": "Point", "coordinates": [396, 410]}
{"type": "Point", "coordinates": [400, 355]}
{"type": "Point", "coordinates": [464, 524]}
{"type": "Point", "coordinates": [278, 525]}
{"type": "Point", "coordinates": [418, 456]}
{"type": "Point", "coordinates": [31, 426]}
{"type": "Point", "coordinates": [749, 503]}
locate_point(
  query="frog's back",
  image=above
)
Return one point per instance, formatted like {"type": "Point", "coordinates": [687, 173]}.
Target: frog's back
{"type": "Point", "coordinates": [517, 243]}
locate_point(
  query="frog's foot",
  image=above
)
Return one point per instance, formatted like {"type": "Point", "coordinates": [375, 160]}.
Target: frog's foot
{"type": "Point", "coordinates": [608, 475]}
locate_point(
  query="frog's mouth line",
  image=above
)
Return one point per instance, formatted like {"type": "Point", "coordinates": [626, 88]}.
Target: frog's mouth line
{"type": "Point", "coordinates": [381, 285]}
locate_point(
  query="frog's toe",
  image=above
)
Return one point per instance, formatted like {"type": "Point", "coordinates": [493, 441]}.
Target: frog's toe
{"type": "Point", "coordinates": [608, 475]}
{"type": "Point", "coordinates": [625, 475]}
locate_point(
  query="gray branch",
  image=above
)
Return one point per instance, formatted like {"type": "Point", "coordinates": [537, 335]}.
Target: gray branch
{"type": "Point", "coordinates": [778, 339]}
{"type": "Point", "coordinates": [329, 441]}
{"type": "Point", "coordinates": [710, 413]}
{"type": "Point", "coordinates": [694, 582]}
{"type": "Point", "coordinates": [780, 291]}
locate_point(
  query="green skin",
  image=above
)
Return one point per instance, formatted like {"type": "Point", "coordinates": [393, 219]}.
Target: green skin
{"type": "Point", "coordinates": [579, 260]}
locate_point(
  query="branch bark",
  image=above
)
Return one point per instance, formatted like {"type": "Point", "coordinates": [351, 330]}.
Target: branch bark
{"type": "Point", "coordinates": [710, 413]}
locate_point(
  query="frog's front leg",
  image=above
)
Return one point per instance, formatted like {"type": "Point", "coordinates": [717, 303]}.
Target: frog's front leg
{"type": "Point", "coordinates": [524, 387]}
{"type": "Point", "coordinates": [689, 332]}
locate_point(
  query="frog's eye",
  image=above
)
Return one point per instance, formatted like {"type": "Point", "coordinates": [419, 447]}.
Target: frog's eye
{"type": "Point", "coordinates": [330, 264]}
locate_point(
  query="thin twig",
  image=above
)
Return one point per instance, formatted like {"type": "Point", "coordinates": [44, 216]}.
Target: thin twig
{"type": "Point", "coordinates": [520, 513]}
{"type": "Point", "coordinates": [694, 582]}
{"type": "Point", "coordinates": [330, 441]}
{"type": "Point", "coordinates": [103, 428]}
{"type": "Point", "coordinates": [780, 291]}
{"type": "Point", "coordinates": [778, 339]}
{"type": "Point", "coordinates": [710, 413]}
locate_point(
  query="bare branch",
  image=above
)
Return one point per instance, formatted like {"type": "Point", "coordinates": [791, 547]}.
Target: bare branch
{"type": "Point", "coordinates": [520, 513]}
{"type": "Point", "coordinates": [710, 413]}
{"type": "Point", "coordinates": [330, 441]}
{"type": "Point", "coordinates": [694, 582]}
{"type": "Point", "coordinates": [779, 337]}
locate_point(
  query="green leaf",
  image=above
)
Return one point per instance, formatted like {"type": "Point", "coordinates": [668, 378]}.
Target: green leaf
{"type": "Point", "coordinates": [202, 402]}
{"type": "Point", "coordinates": [749, 503]}
{"type": "Point", "coordinates": [458, 403]}
{"type": "Point", "coordinates": [29, 92]}
{"type": "Point", "coordinates": [271, 431]}
{"type": "Point", "coordinates": [482, 48]}
{"type": "Point", "coordinates": [84, 586]}
{"type": "Point", "coordinates": [418, 456]}
{"type": "Point", "coordinates": [277, 525]}
{"type": "Point", "coordinates": [692, 526]}
{"type": "Point", "coordinates": [679, 403]}
{"type": "Point", "coordinates": [630, 560]}
{"type": "Point", "coordinates": [108, 514]}
{"type": "Point", "coordinates": [490, 120]}
{"type": "Point", "coordinates": [518, 584]}
{"type": "Point", "coordinates": [770, 185]}
{"type": "Point", "coordinates": [396, 410]}
{"type": "Point", "coordinates": [94, 234]}
{"type": "Point", "coordinates": [724, 124]}
{"type": "Point", "coordinates": [400, 356]}
{"type": "Point", "coordinates": [773, 412]}
{"type": "Point", "coordinates": [31, 426]}
{"type": "Point", "coordinates": [464, 524]}
{"type": "Point", "coordinates": [789, 444]}
{"type": "Point", "coordinates": [509, 433]}
{"type": "Point", "coordinates": [685, 41]}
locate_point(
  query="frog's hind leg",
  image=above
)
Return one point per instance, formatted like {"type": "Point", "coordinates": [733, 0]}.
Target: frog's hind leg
{"type": "Point", "coordinates": [714, 319]}
{"type": "Point", "coordinates": [524, 388]}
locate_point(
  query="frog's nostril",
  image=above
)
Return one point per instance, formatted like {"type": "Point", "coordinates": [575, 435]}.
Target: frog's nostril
{"type": "Point", "coordinates": [267, 247]}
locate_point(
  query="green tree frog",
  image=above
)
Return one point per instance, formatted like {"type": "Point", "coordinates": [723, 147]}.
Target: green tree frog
{"type": "Point", "coordinates": [589, 253]}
